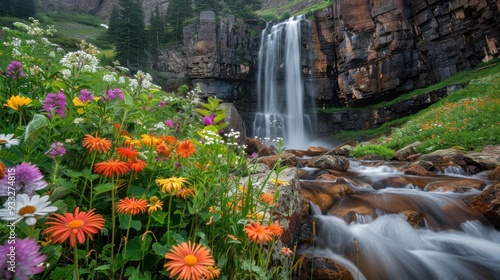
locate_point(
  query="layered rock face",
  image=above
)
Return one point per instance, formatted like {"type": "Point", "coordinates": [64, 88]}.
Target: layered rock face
{"type": "Point", "coordinates": [381, 48]}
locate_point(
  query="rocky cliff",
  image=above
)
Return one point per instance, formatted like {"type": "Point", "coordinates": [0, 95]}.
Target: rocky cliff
{"type": "Point", "coordinates": [381, 48]}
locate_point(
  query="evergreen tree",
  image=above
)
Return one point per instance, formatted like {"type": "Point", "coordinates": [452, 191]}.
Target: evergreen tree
{"type": "Point", "coordinates": [156, 30]}
{"type": "Point", "coordinates": [177, 12]}
{"type": "Point", "coordinates": [131, 40]}
{"type": "Point", "coordinates": [24, 8]}
{"type": "Point", "coordinates": [5, 8]}
{"type": "Point", "coordinates": [113, 23]}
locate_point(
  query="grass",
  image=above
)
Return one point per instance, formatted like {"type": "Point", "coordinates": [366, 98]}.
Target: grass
{"type": "Point", "coordinates": [468, 118]}
{"type": "Point", "coordinates": [293, 8]}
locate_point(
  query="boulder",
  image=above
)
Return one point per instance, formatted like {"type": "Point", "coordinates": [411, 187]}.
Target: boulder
{"type": "Point", "coordinates": [495, 174]}
{"type": "Point", "coordinates": [445, 156]}
{"type": "Point", "coordinates": [285, 159]}
{"type": "Point", "coordinates": [255, 146]}
{"type": "Point", "coordinates": [337, 163]}
{"type": "Point", "coordinates": [488, 204]}
{"type": "Point", "coordinates": [405, 152]}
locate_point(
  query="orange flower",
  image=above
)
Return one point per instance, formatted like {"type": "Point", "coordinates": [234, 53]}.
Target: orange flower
{"type": "Point", "coordinates": [258, 232]}
{"type": "Point", "coordinates": [185, 193]}
{"type": "Point", "coordinates": [2, 170]}
{"type": "Point", "coordinates": [213, 272]}
{"type": "Point", "coordinates": [136, 165]}
{"type": "Point", "coordinates": [267, 198]}
{"type": "Point", "coordinates": [163, 149]}
{"type": "Point", "coordinates": [185, 148]}
{"type": "Point", "coordinates": [111, 168]}
{"type": "Point", "coordinates": [132, 142]}
{"type": "Point", "coordinates": [101, 145]}
{"type": "Point", "coordinates": [131, 206]}
{"type": "Point", "coordinates": [73, 226]}
{"type": "Point", "coordinates": [173, 184]}
{"type": "Point", "coordinates": [127, 152]}
{"type": "Point", "coordinates": [189, 261]}
{"type": "Point", "coordinates": [276, 229]}
{"type": "Point", "coordinates": [286, 251]}
{"type": "Point", "coordinates": [154, 204]}
{"type": "Point", "coordinates": [168, 139]}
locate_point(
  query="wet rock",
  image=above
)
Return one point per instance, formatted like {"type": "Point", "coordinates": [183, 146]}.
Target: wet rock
{"type": "Point", "coordinates": [445, 156]}
{"type": "Point", "coordinates": [343, 149]}
{"type": "Point", "coordinates": [418, 170]}
{"type": "Point", "coordinates": [321, 269]}
{"type": "Point", "coordinates": [414, 218]}
{"type": "Point", "coordinates": [495, 174]}
{"type": "Point", "coordinates": [327, 177]}
{"type": "Point", "coordinates": [325, 194]}
{"type": "Point", "coordinates": [439, 186]}
{"type": "Point", "coordinates": [405, 152]}
{"type": "Point", "coordinates": [286, 159]}
{"type": "Point", "coordinates": [422, 165]}
{"type": "Point", "coordinates": [337, 163]}
{"type": "Point", "coordinates": [254, 145]}
{"type": "Point", "coordinates": [234, 121]}
{"type": "Point", "coordinates": [488, 204]}
{"type": "Point", "coordinates": [483, 161]}
{"type": "Point", "coordinates": [315, 151]}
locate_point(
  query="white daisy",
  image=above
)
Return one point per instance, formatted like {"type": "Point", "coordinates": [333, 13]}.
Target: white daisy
{"type": "Point", "coordinates": [26, 207]}
{"type": "Point", "coordinates": [8, 140]}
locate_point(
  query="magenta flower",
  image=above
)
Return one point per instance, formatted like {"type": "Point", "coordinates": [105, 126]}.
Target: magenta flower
{"type": "Point", "coordinates": [86, 96]}
{"type": "Point", "coordinates": [112, 94]}
{"type": "Point", "coordinates": [56, 150]}
{"type": "Point", "coordinates": [161, 104]}
{"type": "Point", "coordinates": [55, 104]}
{"type": "Point", "coordinates": [28, 260]}
{"type": "Point", "coordinates": [28, 179]}
{"type": "Point", "coordinates": [209, 120]}
{"type": "Point", "coordinates": [15, 70]}
{"type": "Point", "coordinates": [169, 123]}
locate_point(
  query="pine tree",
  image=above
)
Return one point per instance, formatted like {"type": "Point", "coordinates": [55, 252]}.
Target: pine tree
{"type": "Point", "coordinates": [5, 8]}
{"type": "Point", "coordinates": [177, 12]}
{"type": "Point", "coordinates": [156, 30]}
{"type": "Point", "coordinates": [113, 23]}
{"type": "Point", "coordinates": [131, 40]}
{"type": "Point", "coordinates": [24, 8]}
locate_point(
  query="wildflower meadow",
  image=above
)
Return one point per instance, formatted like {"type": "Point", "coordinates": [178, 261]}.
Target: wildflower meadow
{"type": "Point", "coordinates": [103, 175]}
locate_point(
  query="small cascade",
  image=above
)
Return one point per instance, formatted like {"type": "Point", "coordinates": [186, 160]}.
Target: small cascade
{"type": "Point", "coordinates": [378, 231]}
{"type": "Point", "coordinates": [281, 89]}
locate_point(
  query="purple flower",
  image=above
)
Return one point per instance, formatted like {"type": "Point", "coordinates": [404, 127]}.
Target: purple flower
{"type": "Point", "coordinates": [254, 154]}
{"type": "Point", "coordinates": [24, 255]}
{"type": "Point", "coordinates": [161, 104]}
{"type": "Point", "coordinates": [150, 96]}
{"type": "Point", "coordinates": [209, 120]}
{"type": "Point", "coordinates": [56, 150]}
{"type": "Point", "coordinates": [169, 123]}
{"type": "Point", "coordinates": [151, 109]}
{"type": "Point", "coordinates": [15, 70]}
{"type": "Point", "coordinates": [28, 179]}
{"type": "Point", "coordinates": [86, 96]}
{"type": "Point", "coordinates": [55, 104]}
{"type": "Point", "coordinates": [112, 94]}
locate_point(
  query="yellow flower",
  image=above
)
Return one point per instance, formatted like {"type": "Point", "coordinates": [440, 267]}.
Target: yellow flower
{"type": "Point", "coordinates": [16, 102]}
{"type": "Point", "coordinates": [173, 184]}
{"type": "Point", "coordinates": [279, 182]}
{"type": "Point", "coordinates": [78, 103]}
{"type": "Point", "coordinates": [154, 204]}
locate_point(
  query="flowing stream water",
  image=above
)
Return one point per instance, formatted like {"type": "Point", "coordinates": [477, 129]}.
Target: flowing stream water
{"type": "Point", "coordinates": [367, 232]}
{"type": "Point", "coordinates": [281, 90]}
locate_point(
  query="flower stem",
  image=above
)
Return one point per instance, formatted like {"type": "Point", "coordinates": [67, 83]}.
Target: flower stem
{"type": "Point", "coordinates": [75, 257]}
{"type": "Point", "coordinates": [125, 247]}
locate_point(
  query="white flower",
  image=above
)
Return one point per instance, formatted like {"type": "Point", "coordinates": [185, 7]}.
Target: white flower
{"type": "Point", "coordinates": [26, 207]}
{"type": "Point", "coordinates": [8, 140]}
{"type": "Point", "coordinates": [109, 78]}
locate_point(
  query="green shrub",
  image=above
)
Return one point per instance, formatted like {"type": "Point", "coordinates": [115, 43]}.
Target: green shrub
{"type": "Point", "coordinates": [372, 149]}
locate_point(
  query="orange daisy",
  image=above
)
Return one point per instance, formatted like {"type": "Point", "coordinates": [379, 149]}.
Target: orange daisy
{"type": "Point", "coordinates": [154, 204]}
{"type": "Point", "coordinates": [258, 232]}
{"type": "Point", "coordinates": [101, 145]}
{"type": "Point", "coordinates": [189, 261]}
{"type": "Point", "coordinates": [276, 229]}
{"type": "Point", "coordinates": [73, 226]}
{"type": "Point", "coordinates": [286, 251]}
{"type": "Point", "coordinates": [2, 170]}
{"type": "Point", "coordinates": [173, 184]}
{"type": "Point", "coordinates": [185, 193]}
{"type": "Point", "coordinates": [213, 272]}
{"type": "Point", "coordinates": [136, 165]}
{"type": "Point", "coordinates": [168, 139]}
{"type": "Point", "coordinates": [111, 168]}
{"type": "Point", "coordinates": [163, 149]}
{"type": "Point", "coordinates": [267, 198]}
{"type": "Point", "coordinates": [127, 152]}
{"type": "Point", "coordinates": [131, 206]}
{"type": "Point", "coordinates": [185, 148]}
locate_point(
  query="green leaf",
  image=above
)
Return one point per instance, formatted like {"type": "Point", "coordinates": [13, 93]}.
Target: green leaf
{"type": "Point", "coordinates": [134, 248]}
{"type": "Point", "coordinates": [103, 188]}
{"type": "Point", "coordinates": [124, 221]}
{"type": "Point", "coordinates": [34, 128]}
{"type": "Point", "coordinates": [159, 249]}
{"type": "Point", "coordinates": [159, 216]}
{"type": "Point", "coordinates": [135, 273]}
{"type": "Point", "coordinates": [204, 112]}
{"type": "Point", "coordinates": [62, 273]}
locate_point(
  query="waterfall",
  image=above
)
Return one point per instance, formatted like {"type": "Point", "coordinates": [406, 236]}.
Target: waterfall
{"type": "Point", "coordinates": [281, 90]}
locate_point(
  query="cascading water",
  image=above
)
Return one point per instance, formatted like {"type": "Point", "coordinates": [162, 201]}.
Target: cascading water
{"type": "Point", "coordinates": [280, 84]}
{"type": "Point", "coordinates": [368, 233]}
